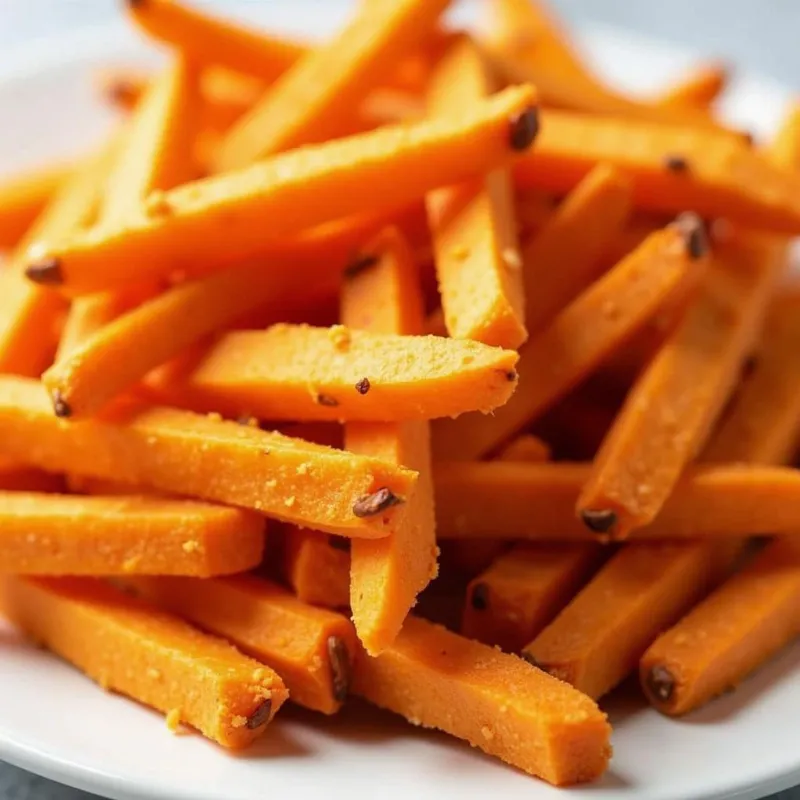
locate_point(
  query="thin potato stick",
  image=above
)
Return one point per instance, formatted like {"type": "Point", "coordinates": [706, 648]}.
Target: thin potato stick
{"type": "Point", "coordinates": [532, 501]}
{"type": "Point", "coordinates": [672, 168]}
{"type": "Point", "coordinates": [312, 101]}
{"type": "Point", "coordinates": [317, 567]}
{"type": "Point", "coordinates": [28, 313]}
{"type": "Point", "coordinates": [229, 217]}
{"type": "Point", "coordinates": [732, 632]}
{"type": "Point", "coordinates": [386, 577]}
{"type": "Point", "coordinates": [24, 196]}
{"type": "Point", "coordinates": [303, 373]}
{"type": "Point", "coordinates": [156, 154]}
{"type": "Point", "coordinates": [210, 40]}
{"type": "Point", "coordinates": [130, 647]}
{"type": "Point", "coordinates": [597, 640]}
{"type": "Point", "coordinates": [509, 603]}
{"type": "Point", "coordinates": [312, 649]}
{"type": "Point", "coordinates": [495, 701]}
{"type": "Point", "coordinates": [565, 256]}
{"type": "Point", "coordinates": [671, 409]}
{"type": "Point", "coordinates": [553, 362]}
{"type": "Point", "coordinates": [478, 263]}
{"type": "Point", "coordinates": [529, 45]}
{"type": "Point", "coordinates": [122, 352]}
{"type": "Point", "coordinates": [51, 534]}
{"type": "Point", "coordinates": [700, 88]}
{"type": "Point", "coordinates": [199, 456]}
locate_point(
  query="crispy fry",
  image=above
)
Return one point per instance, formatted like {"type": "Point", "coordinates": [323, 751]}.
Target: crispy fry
{"type": "Point", "coordinates": [478, 263]}
{"type": "Point", "coordinates": [130, 647]}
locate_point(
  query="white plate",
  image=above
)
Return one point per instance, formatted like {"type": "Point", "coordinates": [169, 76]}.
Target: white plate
{"type": "Point", "coordinates": [55, 722]}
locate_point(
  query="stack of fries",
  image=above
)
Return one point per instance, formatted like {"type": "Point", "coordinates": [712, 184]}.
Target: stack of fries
{"type": "Point", "coordinates": [407, 288]}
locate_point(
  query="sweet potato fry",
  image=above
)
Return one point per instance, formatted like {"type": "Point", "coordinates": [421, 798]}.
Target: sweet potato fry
{"type": "Point", "coordinates": [52, 534]}
{"type": "Point", "coordinates": [724, 638]}
{"type": "Point", "coordinates": [532, 501]}
{"type": "Point", "coordinates": [130, 647]}
{"type": "Point", "coordinates": [565, 257]}
{"type": "Point", "coordinates": [312, 649]}
{"type": "Point", "coordinates": [555, 360]}
{"type": "Point", "coordinates": [311, 102]}
{"type": "Point", "coordinates": [672, 168]}
{"type": "Point", "coordinates": [28, 313]}
{"type": "Point", "coordinates": [597, 640]}
{"type": "Point", "coordinates": [299, 372]}
{"type": "Point", "coordinates": [199, 456]}
{"type": "Point", "coordinates": [509, 603]}
{"type": "Point", "coordinates": [529, 45]}
{"type": "Point", "coordinates": [476, 247]}
{"type": "Point", "coordinates": [495, 701]}
{"type": "Point", "coordinates": [24, 196]}
{"type": "Point", "coordinates": [700, 88]}
{"type": "Point", "coordinates": [230, 217]}
{"type": "Point", "coordinates": [671, 409]}
{"type": "Point", "coordinates": [387, 576]}
{"type": "Point", "coordinates": [317, 567]}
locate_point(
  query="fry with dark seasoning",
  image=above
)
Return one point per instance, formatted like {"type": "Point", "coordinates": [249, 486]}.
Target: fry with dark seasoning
{"type": "Point", "coordinates": [376, 503]}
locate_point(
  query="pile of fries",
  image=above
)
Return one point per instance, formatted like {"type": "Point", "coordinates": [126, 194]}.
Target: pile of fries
{"type": "Point", "coordinates": [416, 301]}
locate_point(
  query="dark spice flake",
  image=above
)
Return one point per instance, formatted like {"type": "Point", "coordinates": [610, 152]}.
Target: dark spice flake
{"type": "Point", "coordinates": [371, 504]}
{"type": "Point", "coordinates": [660, 683]}
{"type": "Point", "coordinates": [60, 405]}
{"type": "Point", "coordinates": [260, 716]}
{"type": "Point", "coordinates": [599, 521]}
{"type": "Point", "coordinates": [359, 264]}
{"type": "Point", "coordinates": [46, 272]}
{"type": "Point", "coordinates": [479, 598]}
{"type": "Point", "coordinates": [327, 400]}
{"type": "Point", "coordinates": [694, 234]}
{"type": "Point", "coordinates": [524, 128]}
{"type": "Point", "coordinates": [363, 386]}
{"type": "Point", "coordinates": [676, 163]}
{"type": "Point", "coordinates": [341, 672]}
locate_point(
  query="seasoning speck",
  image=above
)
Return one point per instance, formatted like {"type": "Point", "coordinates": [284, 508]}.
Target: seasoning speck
{"type": "Point", "coordinates": [479, 597]}
{"type": "Point", "coordinates": [261, 715]}
{"type": "Point", "coordinates": [661, 683]}
{"type": "Point", "coordinates": [339, 659]}
{"type": "Point", "coordinates": [694, 234]}
{"type": "Point", "coordinates": [302, 469]}
{"type": "Point", "coordinates": [524, 128]}
{"type": "Point", "coordinates": [371, 504]}
{"type": "Point", "coordinates": [289, 501]}
{"type": "Point", "coordinates": [363, 386]}
{"type": "Point", "coordinates": [340, 336]}
{"type": "Point", "coordinates": [675, 163]}
{"type": "Point", "coordinates": [60, 406]}
{"type": "Point", "coordinates": [599, 520]}
{"type": "Point", "coordinates": [326, 400]}
{"type": "Point", "coordinates": [46, 272]}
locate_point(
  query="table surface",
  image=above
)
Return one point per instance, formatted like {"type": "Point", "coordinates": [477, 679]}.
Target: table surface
{"type": "Point", "coordinates": [758, 34]}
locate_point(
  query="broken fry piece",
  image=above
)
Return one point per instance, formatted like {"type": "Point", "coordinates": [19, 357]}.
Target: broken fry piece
{"type": "Point", "coordinates": [669, 413]}
{"type": "Point", "coordinates": [299, 372]}
{"type": "Point", "coordinates": [317, 567]}
{"type": "Point", "coordinates": [597, 640]}
{"type": "Point", "coordinates": [554, 361]}
{"type": "Point", "coordinates": [24, 196]}
{"type": "Point", "coordinates": [724, 638]}
{"type": "Point", "coordinates": [52, 534]}
{"type": "Point", "coordinates": [494, 701]}
{"type": "Point", "coordinates": [532, 501]}
{"type": "Point", "coordinates": [229, 217]}
{"type": "Point", "coordinates": [509, 603]}
{"type": "Point", "coordinates": [672, 168]}
{"type": "Point", "coordinates": [202, 456]}
{"type": "Point", "coordinates": [565, 256]}
{"type": "Point", "coordinates": [312, 649]}
{"type": "Point", "coordinates": [478, 263]}
{"type": "Point", "coordinates": [132, 648]}
{"type": "Point", "coordinates": [387, 577]}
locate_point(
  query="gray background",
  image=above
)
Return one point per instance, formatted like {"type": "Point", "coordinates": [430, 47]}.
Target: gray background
{"type": "Point", "coordinates": [761, 35]}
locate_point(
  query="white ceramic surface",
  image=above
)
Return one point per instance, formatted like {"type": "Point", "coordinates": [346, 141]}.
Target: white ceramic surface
{"type": "Point", "coordinates": [55, 722]}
